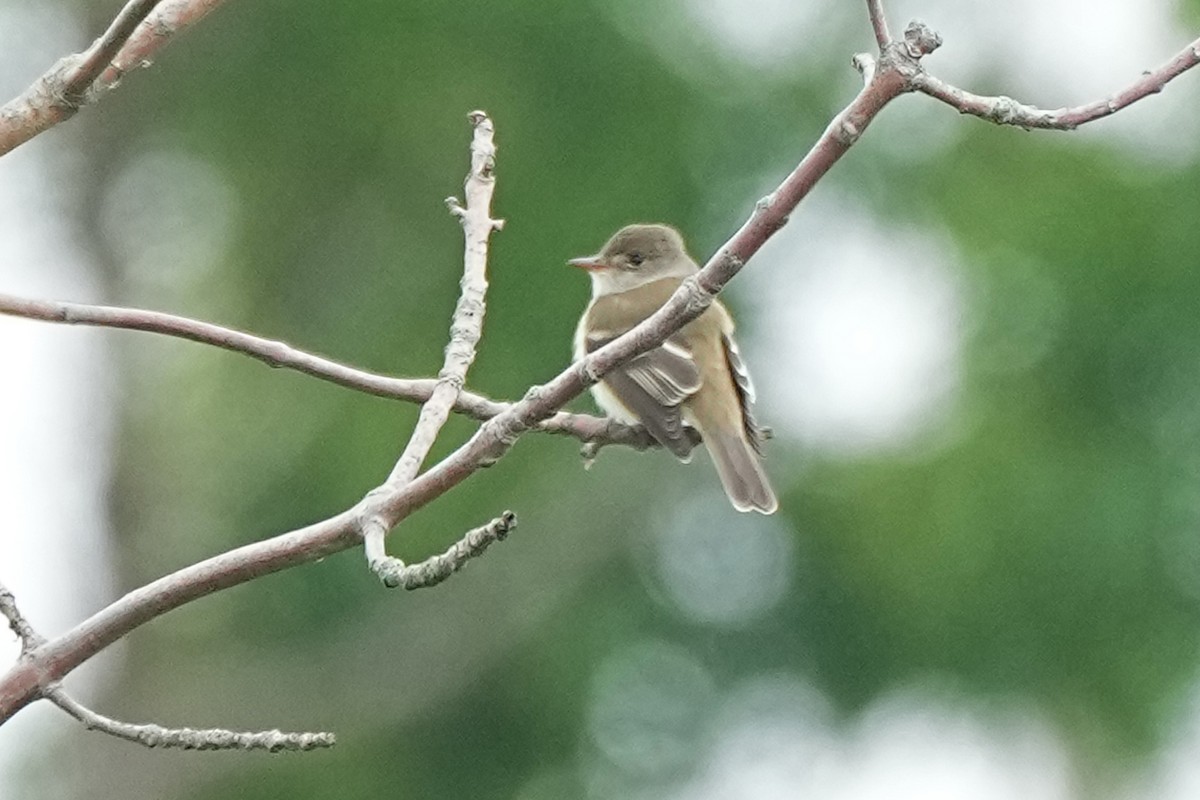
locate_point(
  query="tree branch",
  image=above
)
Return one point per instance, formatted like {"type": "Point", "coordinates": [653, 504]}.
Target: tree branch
{"type": "Point", "coordinates": [1006, 111]}
{"type": "Point", "coordinates": [465, 330]}
{"type": "Point", "coordinates": [188, 738]}
{"type": "Point", "coordinates": [153, 735]}
{"type": "Point", "coordinates": [76, 80]}
{"type": "Point", "coordinates": [97, 57]}
{"type": "Point", "coordinates": [883, 36]}
{"type": "Point", "coordinates": [273, 353]}
{"type": "Point", "coordinates": [156, 735]}
{"type": "Point", "coordinates": [436, 569]}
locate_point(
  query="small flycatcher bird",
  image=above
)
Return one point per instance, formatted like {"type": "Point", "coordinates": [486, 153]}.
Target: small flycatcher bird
{"type": "Point", "coordinates": [695, 378]}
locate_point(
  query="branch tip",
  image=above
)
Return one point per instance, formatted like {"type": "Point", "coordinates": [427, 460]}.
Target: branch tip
{"type": "Point", "coordinates": [432, 571]}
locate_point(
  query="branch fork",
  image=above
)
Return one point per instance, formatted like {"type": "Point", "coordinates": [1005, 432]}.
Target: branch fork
{"type": "Point", "coordinates": [466, 328]}
{"type": "Point", "coordinates": [149, 735]}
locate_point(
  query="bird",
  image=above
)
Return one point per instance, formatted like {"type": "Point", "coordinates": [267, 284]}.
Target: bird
{"type": "Point", "coordinates": [696, 378]}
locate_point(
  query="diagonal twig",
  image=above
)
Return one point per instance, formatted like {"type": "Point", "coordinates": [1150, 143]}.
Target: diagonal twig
{"type": "Point", "coordinates": [140, 30]}
{"type": "Point", "coordinates": [465, 330]}
{"type": "Point", "coordinates": [1006, 111]}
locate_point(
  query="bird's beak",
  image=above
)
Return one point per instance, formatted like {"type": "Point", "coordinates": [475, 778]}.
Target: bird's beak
{"type": "Point", "coordinates": [590, 263]}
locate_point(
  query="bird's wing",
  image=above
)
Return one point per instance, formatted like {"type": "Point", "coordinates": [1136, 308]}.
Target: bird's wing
{"type": "Point", "coordinates": [653, 387]}
{"type": "Point", "coordinates": [755, 434]}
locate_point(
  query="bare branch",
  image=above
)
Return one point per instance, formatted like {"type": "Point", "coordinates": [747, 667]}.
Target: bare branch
{"type": "Point", "coordinates": [29, 637]}
{"type": "Point", "coordinates": [76, 80]}
{"type": "Point", "coordinates": [1006, 111]}
{"type": "Point", "coordinates": [467, 324]}
{"type": "Point", "coordinates": [51, 661]}
{"type": "Point", "coordinates": [883, 36]}
{"type": "Point", "coordinates": [436, 569]}
{"type": "Point", "coordinates": [273, 353]}
{"type": "Point", "coordinates": [465, 330]}
{"type": "Point", "coordinates": [188, 738]}
{"type": "Point", "coordinates": [97, 57]}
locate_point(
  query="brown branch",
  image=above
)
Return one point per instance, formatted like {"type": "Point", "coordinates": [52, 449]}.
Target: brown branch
{"type": "Point", "coordinates": [586, 428]}
{"type": "Point", "coordinates": [97, 57]}
{"type": "Point", "coordinates": [1006, 111]}
{"type": "Point", "coordinates": [465, 330]}
{"type": "Point", "coordinates": [76, 80]}
{"type": "Point", "coordinates": [436, 569]}
{"type": "Point", "coordinates": [49, 662]}
{"type": "Point", "coordinates": [188, 738]}
{"type": "Point", "coordinates": [879, 25]}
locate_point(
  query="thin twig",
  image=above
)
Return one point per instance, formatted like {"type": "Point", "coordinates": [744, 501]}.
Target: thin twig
{"type": "Point", "coordinates": [71, 82]}
{"type": "Point", "coordinates": [465, 330]}
{"type": "Point", "coordinates": [883, 36]}
{"type": "Point", "coordinates": [436, 569]}
{"type": "Point", "coordinates": [151, 735]}
{"type": "Point", "coordinates": [586, 428]}
{"type": "Point", "coordinates": [97, 57]}
{"type": "Point", "coordinates": [1006, 111]}
{"type": "Point", "coordinates": [29, 637]}
{"type": "Point", "coordinates": [467, 324]}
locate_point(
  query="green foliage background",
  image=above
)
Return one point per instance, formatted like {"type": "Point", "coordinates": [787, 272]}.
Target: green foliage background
{"type": "Point", "coordinates": [1048, 556]}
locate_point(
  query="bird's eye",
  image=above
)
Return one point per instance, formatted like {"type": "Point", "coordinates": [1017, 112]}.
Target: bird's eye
{"type": "Point", "coordinates": [636, 259]}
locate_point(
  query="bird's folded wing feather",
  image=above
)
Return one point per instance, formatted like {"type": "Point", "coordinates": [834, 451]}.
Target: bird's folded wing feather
{"type": "Point", "coordinates": [755, 434]}
{"type": "Point", "coordinates": [654, 386]}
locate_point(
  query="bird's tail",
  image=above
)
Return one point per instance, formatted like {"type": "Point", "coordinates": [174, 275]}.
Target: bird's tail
{"type": "Point", "coordinates": [741, 473]}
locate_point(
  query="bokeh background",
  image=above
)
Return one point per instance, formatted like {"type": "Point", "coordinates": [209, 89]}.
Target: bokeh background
{"type": "Point", "coordinates": [979, 349]}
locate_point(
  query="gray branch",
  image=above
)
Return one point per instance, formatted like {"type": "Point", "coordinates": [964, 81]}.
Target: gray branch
{"type": "Point", "coordinates": [436, 569]}
{"type": "Point", "coordinates": [188, 738]}
{"type": "Point", "coordinates": [273, 353]}
{"type": "Point", "coordinates": [156, 735]}
{"type": "Point", "coordinates": [1006, 111]}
